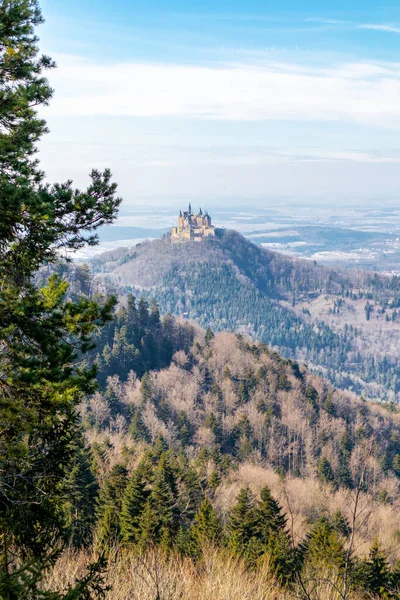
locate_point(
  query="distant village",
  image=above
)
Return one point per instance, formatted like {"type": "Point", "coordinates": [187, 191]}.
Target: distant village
{"type": "Point", "coordinates": [192, 227]}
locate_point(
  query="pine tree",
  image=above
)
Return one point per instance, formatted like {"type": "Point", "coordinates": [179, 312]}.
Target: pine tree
{"type": "Point", "coordinates": [164, 500]}
{"type": "Point", "coordinates": [149, 525]}
{"type": "Point", "coordinates": [207, 525]}
{"type": "Point", "coordinates": [376, 572]}
{"type": "Point", "coordinates": [185, 428]}
{"type": "Point", "coordinates": [396, 465]}
{"type": "Point", "coordinates": [145, 390]}
{"type": "Point", "coordinates": [325, 471]}
{"type": "Point", "coordinates": [132, 312]}
{"type": "Point", "coordinates": [282, 558]}
{"type": "Point", "coordinates": [340, 524]}
{"type": "Point", "coordinates": [242, 522]}
{"type": "Point", "coordinates": [137, 429]}
{"type": "Point", "coordinates": [208, 336]}
{"type": "Point", "coordinates": [323, 545]}
{"type": "Point", "coordinates": [82, 491]}
{"type": "Point", "coordinates": [108, 528]}
{"type": "Point", "coordinates": [214, 425]}
{"type": "Point", "coordinates": [133, 503]}
{"type": "Point", "coordinates": [269, 516]}
{"type": "Point", "coordinates": [41, 334]}
{"type": "Point", "coordinates": [154, 319]}
{"type": "Point", "coordinates": [271, 531]}
{"type": "Point", "coordinates": [190, 493]}
{"type": "Point", "coordinates": [143, 313]}
{"type": "Point", "coordinates": [214, 480]}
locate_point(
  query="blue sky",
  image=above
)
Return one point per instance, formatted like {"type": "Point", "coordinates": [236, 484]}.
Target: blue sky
{"type": "Point", "coordinates": [226, 100]}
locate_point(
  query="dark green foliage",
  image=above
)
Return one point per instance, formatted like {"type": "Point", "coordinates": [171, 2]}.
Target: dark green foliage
{"type": "Point", "coordinates": [82, 495]}
{"type": "Point", "coordinates": [271, 531]}
{"type": "Point", "coordinates": [340, 524]}
{"type": "Point", "coordinates": [282, 558]}
{"type": "Point", "coordinates": [325, 471]}
{"type": "Point", "coordinates": [208, 336]}
{"type": "Point", "coordinates": [145, 390]}
{"type": "Point", "coordinates": [108, 528]}
{"type": "Point", "coordinates": [207, 526]}
{"type": "Point", "coordinates": [376, 573]}
{"type": "Point", "coordinates": [148, 525]}
{"type": "Point", "coordinates": [214, 424]}
{"type": "Point", "coordinates": [396, 465]}
{"type": "Point", "coordinates": [185, 429]}
{"type": "Point", "coordinates": [242, 522]}
{"type": "Point", "coordinates": [164, 503]}
{"type": "Point", "coordinates": [323, 545]}
{"type": "Point", "coordinates": [137, 428]}
{"type": "Point", "coordinates": [270, 519]}
{"type": "Point", "coordinates": [137, 340]}
{"type": "Point", "coordinates": [42, 333]}
{"type": "Point", "coordinates": [133, 503]}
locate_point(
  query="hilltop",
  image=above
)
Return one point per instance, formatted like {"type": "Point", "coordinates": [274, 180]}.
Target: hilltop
{"type": "Point", "coordinates": [342, 323]}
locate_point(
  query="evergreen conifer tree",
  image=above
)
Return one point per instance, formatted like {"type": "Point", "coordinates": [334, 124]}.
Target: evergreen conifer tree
{"type": "Point", "coordinates": [164, 501]}
{"type": "Point", "coordinates": [325, 471]}
{"type": "Point", "coordinates": [82, 491]}
{"type": "Point", "coordinates": [108, 528]}
{"type": "Point", "coordinates": [207, 526]}
{"type": "Point", "coordinates": [149, 525]}
{"type": "Point", "coordinates": [396, 465]}
{"type": "Point", "coordinates": [137, 428]}
{"type": "Point", "coordinates": [41, 334]}
{"type": "Point", "coordinates": [269, 516]}
{"type": "Point", "coordinates": [376, 572]}
{"type": "Point", "coordinates": [133, 503]}
{"type": "Point", "coordinates": [323, 545]}
{"type": "Point", "coordinates": [242, 522]}
{"type": "Point", "coordinates": [271, 531]}
{"type": "Point", "coordinates": [145, 390]}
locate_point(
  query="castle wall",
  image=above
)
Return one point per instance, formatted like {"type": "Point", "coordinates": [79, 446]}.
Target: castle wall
{"type": "Point", "coordinates": [192, 228]}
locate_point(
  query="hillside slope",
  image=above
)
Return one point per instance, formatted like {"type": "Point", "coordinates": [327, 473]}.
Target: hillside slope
{"type": "Point", "coordinates": [242, 415]}
{"type": "Point", "coordinates": [339, 322]}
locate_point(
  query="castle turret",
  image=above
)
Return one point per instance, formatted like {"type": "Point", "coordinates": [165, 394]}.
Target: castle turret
{"type": "Point", "coordinates": [192, 227]}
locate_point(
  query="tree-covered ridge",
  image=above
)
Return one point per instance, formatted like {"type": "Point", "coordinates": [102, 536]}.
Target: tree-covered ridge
{"type": "Point", "coordinates": [165, 448]}
{"type": "Point", "coordinates": [244, 401]}
{"type": "Point", "coordinates": [231, 284]}
{"type": "Point", "coordinates": [138, 340]}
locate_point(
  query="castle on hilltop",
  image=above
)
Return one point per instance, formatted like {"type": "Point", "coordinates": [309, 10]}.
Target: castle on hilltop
{"type": "Point", "coordinates": [192, 228]}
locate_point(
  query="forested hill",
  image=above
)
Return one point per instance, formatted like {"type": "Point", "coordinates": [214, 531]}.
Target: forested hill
{"type": "Point", "coordinates": [227, 413]}
{"type": "Point", "coordinates": [280, 276]}
{"type": "Point", "coordinates": [342, 323]}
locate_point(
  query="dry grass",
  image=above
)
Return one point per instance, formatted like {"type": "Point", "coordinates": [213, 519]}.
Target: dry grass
{"type": "Point", "coordinates": [156, 576]}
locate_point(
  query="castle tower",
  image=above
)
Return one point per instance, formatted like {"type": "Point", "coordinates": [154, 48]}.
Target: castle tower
{"type": "Point", "coordinates": [192, 227]}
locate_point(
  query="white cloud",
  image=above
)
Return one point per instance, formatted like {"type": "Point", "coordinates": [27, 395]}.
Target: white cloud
{"type": "Point", "coordinates": [356, 92]}
{"type": "Point", "coordinates": [380, 27]}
